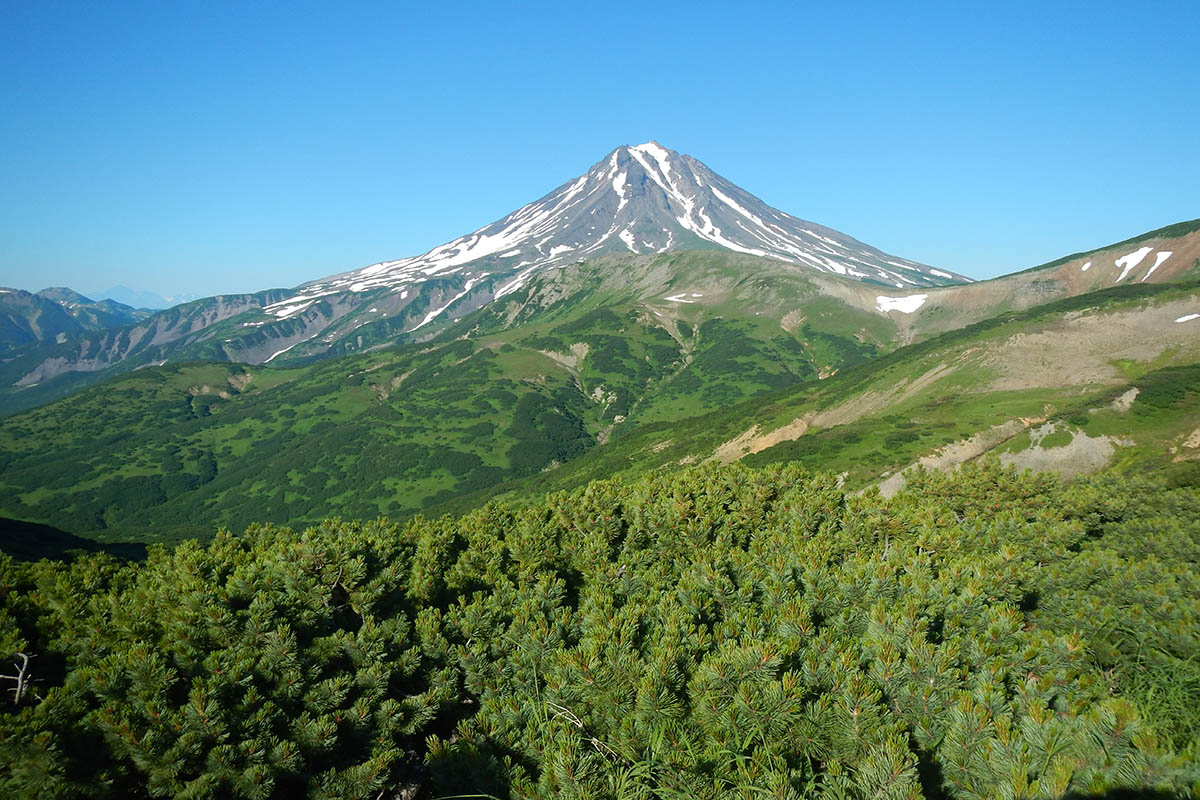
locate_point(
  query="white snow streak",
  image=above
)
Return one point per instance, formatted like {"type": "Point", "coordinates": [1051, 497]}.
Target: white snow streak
{"type": "Point", "coordinates": [429, 317]}
{"type": "Point", "coordinates": [292, 310]}
{"type": "Point", "coordinates": [1085, 267]}
{"type": "Point", "coordinates": [626, 236]}
{"type": "Point", "coordinates": [280, 352]}
{"type": "Point", "coordinates": [618, 185]}
{"type": "Point", "coordinates": [1188, 317]}
{"type": "Point", "coordinates": [516, 283]}
{"type": "Point", "coordinates": [1159, 258]}
{"type": "Point", "coordinates": [652, 147]}
{"type": "Point", "coordinates": [729, 201]}
{"type": "Point", "coordinates": [1130, 261]}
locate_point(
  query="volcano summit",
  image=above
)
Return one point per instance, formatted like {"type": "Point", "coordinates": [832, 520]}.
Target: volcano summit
{"type": "Point", "coordinates": [641, 199]}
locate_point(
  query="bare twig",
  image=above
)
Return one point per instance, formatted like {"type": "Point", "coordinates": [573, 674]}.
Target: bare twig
{"type": "Point", "coordinates": [20, 679]}
{"type": "Point", "coordinates": [573, 718]}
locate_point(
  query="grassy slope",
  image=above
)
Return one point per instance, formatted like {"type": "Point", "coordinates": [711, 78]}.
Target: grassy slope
{"type": "Point", "coordinates": [872, 425]}
{"type": "Point", "coordinates": [1167, 232]}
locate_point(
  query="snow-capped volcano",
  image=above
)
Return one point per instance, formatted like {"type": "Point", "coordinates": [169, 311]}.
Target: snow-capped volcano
{"type": "Point", "coordinates": [641, 199]}
{"type": "Point", "coordinates": [637, 200]}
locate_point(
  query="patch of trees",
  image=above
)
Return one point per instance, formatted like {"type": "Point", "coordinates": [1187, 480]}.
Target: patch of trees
{"type": "Point", "coordinates": [729, 349]}
{"type": "Point", "coordinates": [712, 633]}
{"type": "Point", "coordinates": [1167, 388]}
{"type": "Point", "coordinates": [550, 343]}
{"type": "Point", "coordinates": [546, 429]}
{"type": "Point", "coordinates": [839, 350]}
{"type": "Point", "coordinates": [599, 319]}
{"type": "Point", "coordinates": [611, 355]}
{"type": "Point", "coordinates": [822, 444]}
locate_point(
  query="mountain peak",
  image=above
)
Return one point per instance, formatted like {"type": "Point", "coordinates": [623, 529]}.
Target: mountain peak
{"type": "Point", "coordinates": [639, 199]}
{"type": "Point", "coordinates": [654, 148]}
{"type": "Point", "coordinates": [65, 295]}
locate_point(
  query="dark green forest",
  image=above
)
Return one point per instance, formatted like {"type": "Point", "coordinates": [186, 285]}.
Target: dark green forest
{"type": "Point", "coordinates": [704, 633]}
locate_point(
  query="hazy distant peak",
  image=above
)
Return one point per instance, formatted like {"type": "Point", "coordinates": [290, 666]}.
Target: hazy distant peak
{"type": "Point", "coordinates": [143, 298]}
{"type": "Point", "coordinates": [62, 294]}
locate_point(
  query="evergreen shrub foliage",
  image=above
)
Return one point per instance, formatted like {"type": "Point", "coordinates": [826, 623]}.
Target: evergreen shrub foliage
{"type": "Point", "coordinates": [712, 633]}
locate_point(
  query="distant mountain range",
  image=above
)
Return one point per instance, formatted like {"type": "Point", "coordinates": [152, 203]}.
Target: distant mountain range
{"type": "Point", "coordinates": [295, 326]}
{"type": "Point", "coordinates": [56, 315]}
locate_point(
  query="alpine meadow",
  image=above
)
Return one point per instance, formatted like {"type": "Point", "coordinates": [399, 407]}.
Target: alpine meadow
{"type": "Point", "coordinates": [647, 490]}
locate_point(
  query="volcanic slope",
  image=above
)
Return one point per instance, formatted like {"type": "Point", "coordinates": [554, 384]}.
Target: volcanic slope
{"type": "Point", "coordinates": [637, 200]}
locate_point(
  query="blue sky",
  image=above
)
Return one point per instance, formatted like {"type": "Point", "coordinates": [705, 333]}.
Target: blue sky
{"type": "Point", "coordinates": [217, 147]}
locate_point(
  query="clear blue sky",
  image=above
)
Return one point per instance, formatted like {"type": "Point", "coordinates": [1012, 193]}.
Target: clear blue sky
{"type": "Point", "coordinates": [215, 147]}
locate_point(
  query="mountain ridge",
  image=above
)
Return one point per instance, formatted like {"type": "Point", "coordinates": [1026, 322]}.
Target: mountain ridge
{"type": "Point", "coordinates": [55, 314]}
{"type": "Point", "coordinates": [999, 386]}
{"type": "Point", "coordinates": [637, 202]}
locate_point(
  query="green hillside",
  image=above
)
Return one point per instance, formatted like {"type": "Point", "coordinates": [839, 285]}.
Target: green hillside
{"type": "Point", "coordinates": [607, 368]}
{"type": "Point", "coordinates": [958, 395]}
{"type": "Point", "coordinates": [175, 451]}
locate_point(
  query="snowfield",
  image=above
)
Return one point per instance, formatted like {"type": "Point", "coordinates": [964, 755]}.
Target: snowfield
{"type": "Point", "coordinates": [905, 305]}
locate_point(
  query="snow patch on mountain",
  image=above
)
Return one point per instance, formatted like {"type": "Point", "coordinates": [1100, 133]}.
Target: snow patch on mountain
{"type": "Point", "coordinates": [433, 314]}
{"type": "Point", "coordinates": [1128, 262]}
{"type": "Point", "coordinates": [290, 310]}
{"type": "Point", "coordinates": [618, 185]}
{"type": "Point", "coordinates": [1159, 258]}
{"type": "Point", "coordinates": [905, 305]}
{"type": "Point", "coordinates": [626, 236]}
